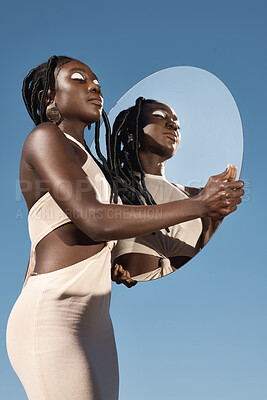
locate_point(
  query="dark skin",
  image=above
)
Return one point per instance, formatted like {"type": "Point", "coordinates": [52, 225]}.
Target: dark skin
{"type": "Point", "coordinates": [51, 162]}
{"type": "Point", "coordinates": [159, 142]}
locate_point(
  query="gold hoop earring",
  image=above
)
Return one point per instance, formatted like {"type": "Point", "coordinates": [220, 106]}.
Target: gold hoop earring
{"type": "Point", "coordinates": [52, 113]}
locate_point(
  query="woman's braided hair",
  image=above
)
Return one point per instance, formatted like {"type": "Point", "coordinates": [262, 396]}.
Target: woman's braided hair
{"type": "Point", "coordinates": [123, 157]}
{"type": "Point", "coordinates": [128, 176]}
{"type": "Point", "coordinates": [39, 80]}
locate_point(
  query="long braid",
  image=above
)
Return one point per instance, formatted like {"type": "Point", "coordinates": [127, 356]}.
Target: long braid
{"type": "Point", "coordinates": [34, 98]}
{"type": "Point", "coordinates": [26, 91]}
{"type": "Point", "coordinates": [146, 193]}
{"type": "Point", "coordinates": [108, 130]}
{"type": "Point", "coordinates": [125, 186]}
{"type": "Point", "coordinates": [115, 142]}
{"type": "Point", "coordinates": [105, 171]}
{"type": "Point", "coordinates": [49, 81]}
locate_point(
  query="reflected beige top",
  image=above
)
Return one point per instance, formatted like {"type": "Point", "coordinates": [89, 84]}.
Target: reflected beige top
{"type": "Point", "coordinates": [182, 240]}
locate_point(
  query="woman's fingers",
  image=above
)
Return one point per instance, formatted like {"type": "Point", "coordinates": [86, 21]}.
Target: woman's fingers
{"type": "Point", "coordinates": [127, 275]}
{"type": "Point", "coordinates": [120, 269]}
{"type": "Point", "coordinates": [120, 275]}
{"type": "Point", "coordinates": [233, 185]}
{"type": "Point", "coordinates": [114, 273]}
{"type": "Point", "coordinates": [232, 193]}
{"type": "Point", "coordinates": [233, 201]}
{"type": "Point", "coordinates": [129, 282]}
{"type": "Point", "coordinates": [230, 210]}
{"type": "Point", "coordinates": [233, 174]}
{"type": "Point", "coordinates": [228, 175]}
{"type": "Point", "coordinates": [227, 206]}
{"type": "Point", "coordinates": [224, 176]}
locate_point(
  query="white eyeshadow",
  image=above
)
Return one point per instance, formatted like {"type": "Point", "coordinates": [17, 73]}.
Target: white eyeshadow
{"type": "Point", "coordinates": [95, 81]}
{"type": "Point", "coordinates": [77, 75]}
{"type": "Point", "coordinates": [159, 112]}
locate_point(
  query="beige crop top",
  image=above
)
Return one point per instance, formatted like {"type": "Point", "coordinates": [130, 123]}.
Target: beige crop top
{"type": "Point", "coordinates": [182, 240]}
{"type": "Point", "coordinates": [45, 215]}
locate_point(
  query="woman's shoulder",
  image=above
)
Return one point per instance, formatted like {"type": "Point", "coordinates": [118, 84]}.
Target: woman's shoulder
{"type": "Point", "coordinates": [44, 138]}
{"type": "Point", "coordinates": [46, 131]}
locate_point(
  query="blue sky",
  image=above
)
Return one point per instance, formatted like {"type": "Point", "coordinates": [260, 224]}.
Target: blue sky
{"type": "Point", "coordinates": [201, 332]}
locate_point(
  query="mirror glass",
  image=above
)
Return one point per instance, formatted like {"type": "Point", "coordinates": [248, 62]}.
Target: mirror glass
{"type": "Point", "coordinates": [211, 137]}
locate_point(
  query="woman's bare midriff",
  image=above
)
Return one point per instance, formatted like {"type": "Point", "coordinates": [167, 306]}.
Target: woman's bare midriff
{"type": "Point", "coordinates": [139, 263]}
{"type": "Point", "coordinates": [63, 247]}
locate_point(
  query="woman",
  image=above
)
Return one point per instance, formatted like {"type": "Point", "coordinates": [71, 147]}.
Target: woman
{"type": "Point", "coordinates": [141, 154]}
{"type": "Point", "coordinates": [59, 337]}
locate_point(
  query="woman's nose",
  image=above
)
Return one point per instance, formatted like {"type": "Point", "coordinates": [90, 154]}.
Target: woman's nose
{"type": "Point", "coordinates": [171, 124]}
{"type": "Point", "coordinates": [94, 88]}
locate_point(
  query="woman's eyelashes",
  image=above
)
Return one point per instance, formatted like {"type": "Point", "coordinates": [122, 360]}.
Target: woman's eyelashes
{"type": "Point", "coordinates": [77, 76]}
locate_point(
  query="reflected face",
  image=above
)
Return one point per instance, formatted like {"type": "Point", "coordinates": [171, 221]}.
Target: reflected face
{"type": "Point", "coordinates": [161, 133]}
{"type": "Point", "coordinates": [78, 95]}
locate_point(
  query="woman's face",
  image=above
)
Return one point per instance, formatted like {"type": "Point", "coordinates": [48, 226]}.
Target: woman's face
{"type": "Point", "coordinates": [77, 93]}
{"type": "Point", "coordinates": [160, 127]}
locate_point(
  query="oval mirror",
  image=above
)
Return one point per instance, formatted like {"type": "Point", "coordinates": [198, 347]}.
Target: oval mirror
{"type": "Point", "coordinates": [211, 137]}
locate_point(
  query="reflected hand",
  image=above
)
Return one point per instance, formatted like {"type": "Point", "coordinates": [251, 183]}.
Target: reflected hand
{"type": "Point", "coordinates": [221, 194]}
{"type": "Point", "coordinates": [120, 275]}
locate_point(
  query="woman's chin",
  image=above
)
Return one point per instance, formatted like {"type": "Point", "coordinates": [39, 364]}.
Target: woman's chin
{"type": "Point", "coordinates": [96, 116]}
{"type": "Point", "coordinates": [93, 119]}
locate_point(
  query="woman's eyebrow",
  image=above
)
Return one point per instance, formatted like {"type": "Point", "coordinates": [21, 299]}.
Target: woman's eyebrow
{"type": "Point", "coordinates": [78, 69]}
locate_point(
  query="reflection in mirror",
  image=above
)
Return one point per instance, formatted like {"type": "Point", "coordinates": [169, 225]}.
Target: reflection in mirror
{"type": "Point", "coordinates": [196, 103]}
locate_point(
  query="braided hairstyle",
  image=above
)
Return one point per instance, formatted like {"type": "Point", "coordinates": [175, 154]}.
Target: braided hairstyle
{"type": "Point", "coordinates": [39, 80]}
{"type": "Point", "coordinates": [123, 159]}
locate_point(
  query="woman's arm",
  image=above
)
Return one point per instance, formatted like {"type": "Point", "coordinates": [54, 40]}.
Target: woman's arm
{"type": "Point", "coordinates": [51, 155]}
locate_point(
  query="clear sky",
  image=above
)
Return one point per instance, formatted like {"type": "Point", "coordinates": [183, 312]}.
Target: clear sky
{"type": "Point", "coordinates": [201, 332]}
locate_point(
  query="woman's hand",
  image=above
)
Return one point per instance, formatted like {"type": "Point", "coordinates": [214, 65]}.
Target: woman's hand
{"type": "Point", "coordinates": [120, 275]}
{"type": "Point", "coordinates": [221, 194]}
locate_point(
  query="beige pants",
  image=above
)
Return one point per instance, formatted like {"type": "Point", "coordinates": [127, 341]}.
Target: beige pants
{"type": "Point", "coordinates": [60, 337]}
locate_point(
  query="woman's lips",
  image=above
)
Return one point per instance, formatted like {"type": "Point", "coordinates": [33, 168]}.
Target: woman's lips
{"type": "Point", "coordinates": [97, 101]}
{"type": "Point", "coordinates": [172, 136]}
